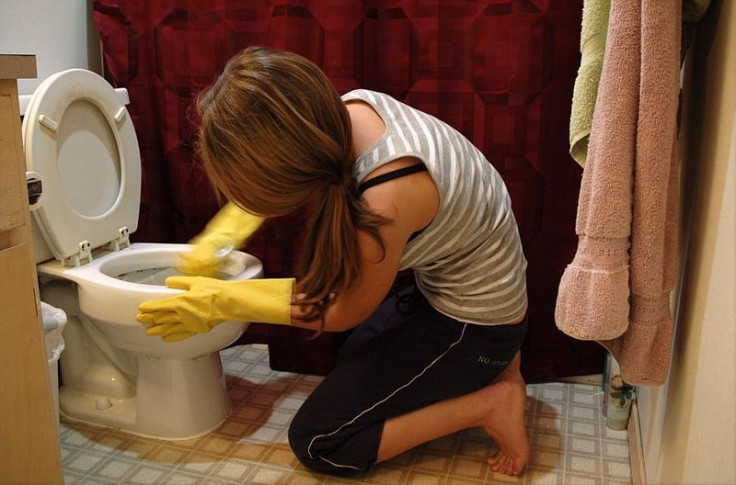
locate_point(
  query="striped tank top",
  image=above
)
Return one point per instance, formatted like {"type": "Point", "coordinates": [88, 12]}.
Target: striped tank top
{"type": "Point", "coordinates": [468, 263]}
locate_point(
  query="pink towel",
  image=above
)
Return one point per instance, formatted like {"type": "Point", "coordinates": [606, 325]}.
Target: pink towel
{"type": "Point", "coordinates": [616, 290]}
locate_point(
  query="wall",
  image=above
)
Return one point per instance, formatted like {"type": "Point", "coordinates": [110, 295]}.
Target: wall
{"type": "Point", "coordinates": [61, 33]}
{"type": "Point", "coordinates": [688, 426]}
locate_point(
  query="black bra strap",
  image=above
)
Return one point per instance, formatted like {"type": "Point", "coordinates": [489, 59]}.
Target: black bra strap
{"type": "Point", "coordinates": [402, 172]}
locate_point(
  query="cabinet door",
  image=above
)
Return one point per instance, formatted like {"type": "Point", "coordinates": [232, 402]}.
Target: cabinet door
{"type": "Point", "coordinates": [29, 426]}
{"type": "Point", "coordinates": [29, 438]}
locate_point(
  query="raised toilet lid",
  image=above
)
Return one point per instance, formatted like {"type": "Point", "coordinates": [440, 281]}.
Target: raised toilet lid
{"type": "Point", "coordinates": [79, 137]}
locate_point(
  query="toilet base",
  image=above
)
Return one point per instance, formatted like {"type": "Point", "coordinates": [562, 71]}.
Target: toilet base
{"type": "Point", "coordinates": [174, 400]}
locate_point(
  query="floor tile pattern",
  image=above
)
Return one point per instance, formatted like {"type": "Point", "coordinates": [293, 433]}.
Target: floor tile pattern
{"type": "Point", "coordinates": [570, 442]}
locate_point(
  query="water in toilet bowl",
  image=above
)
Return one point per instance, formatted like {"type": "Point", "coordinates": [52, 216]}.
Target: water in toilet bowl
{"type": "Point", "coordinates": [153, 276]}
{"type": "Point", "coordinates": [232, 266]}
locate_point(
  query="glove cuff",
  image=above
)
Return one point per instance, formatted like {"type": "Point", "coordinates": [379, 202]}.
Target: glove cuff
{"type": "Point", "coordinates": [269, 299]}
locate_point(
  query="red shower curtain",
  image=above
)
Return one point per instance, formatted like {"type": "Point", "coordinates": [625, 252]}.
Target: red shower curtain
{"type": "Point", "coordinates": [501, 72]}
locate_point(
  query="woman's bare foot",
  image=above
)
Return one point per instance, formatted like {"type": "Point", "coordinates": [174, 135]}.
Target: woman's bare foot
{"type": "Point", "coordinates": [505, 421]}
{"type": "Point", "coordinates": [498, 408]}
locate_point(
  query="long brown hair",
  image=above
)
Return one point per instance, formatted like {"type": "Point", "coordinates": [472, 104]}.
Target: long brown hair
{"type": "Point", "coordinates": [275, 135]}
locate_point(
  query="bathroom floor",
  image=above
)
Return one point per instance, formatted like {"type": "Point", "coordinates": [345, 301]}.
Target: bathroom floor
{"type": "Point", "coordinates": [570, 442]}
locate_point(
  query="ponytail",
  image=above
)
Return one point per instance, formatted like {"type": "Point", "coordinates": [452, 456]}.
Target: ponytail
{"type": "Point", "coordinates": [331, 260]}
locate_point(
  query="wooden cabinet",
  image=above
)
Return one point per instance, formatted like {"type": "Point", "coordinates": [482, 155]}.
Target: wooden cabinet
{"type": "Point", "coordinates": [29, 438]}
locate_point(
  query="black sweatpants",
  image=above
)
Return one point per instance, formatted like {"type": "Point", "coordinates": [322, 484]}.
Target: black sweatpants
{"type": "Point", "coordinates": [393, 364]}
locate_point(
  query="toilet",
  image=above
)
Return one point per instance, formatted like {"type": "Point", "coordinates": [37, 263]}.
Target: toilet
{"type": "Point", "coordinates": [80, 141]}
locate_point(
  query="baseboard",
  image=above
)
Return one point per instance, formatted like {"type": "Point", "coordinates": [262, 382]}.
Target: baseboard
{"type": "Point", "coordinates": [636, 451]}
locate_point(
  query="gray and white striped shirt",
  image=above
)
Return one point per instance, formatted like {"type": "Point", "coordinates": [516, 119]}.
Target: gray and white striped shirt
{"type": "Point", "coordinates": [468, 262]}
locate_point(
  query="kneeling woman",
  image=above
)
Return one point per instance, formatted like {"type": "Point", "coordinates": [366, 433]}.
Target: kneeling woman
{"type": "Point", "coordinates": [389, 188]}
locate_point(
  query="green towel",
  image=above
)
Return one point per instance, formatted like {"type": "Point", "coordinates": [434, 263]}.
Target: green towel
{"type": "Point", "coordinates": [592, 48]}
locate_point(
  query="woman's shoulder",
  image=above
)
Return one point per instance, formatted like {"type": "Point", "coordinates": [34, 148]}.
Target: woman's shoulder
{"type": "Point", "coordinates": [367, 125]}
{"type": "Point", "coordinates": [364, 94]}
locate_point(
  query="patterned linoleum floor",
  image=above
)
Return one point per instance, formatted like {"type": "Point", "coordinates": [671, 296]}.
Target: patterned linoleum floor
{"type": "Point", "coordinates": [570, 442]}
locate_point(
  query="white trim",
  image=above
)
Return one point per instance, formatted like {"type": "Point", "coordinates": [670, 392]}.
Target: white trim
{"type": "Point", "coordinates": [636, 452]}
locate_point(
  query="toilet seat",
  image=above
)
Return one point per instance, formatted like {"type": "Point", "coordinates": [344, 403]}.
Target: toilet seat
{"type": "Point", "coordinates": [79, 137]}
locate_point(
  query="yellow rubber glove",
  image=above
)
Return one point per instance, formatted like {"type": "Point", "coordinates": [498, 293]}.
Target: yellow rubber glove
{"type": "Point", "coordinates": [229, 229]}
{"type": "Point", "coordinates": [209, 302]}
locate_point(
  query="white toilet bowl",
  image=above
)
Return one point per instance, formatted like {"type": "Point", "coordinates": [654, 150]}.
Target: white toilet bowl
{"type": "Point", "coordinates": [111, 287]}
{"type": "Point", "coordinates": [113, 373]}
{"type": "Point", "coordinates": [79, 138]}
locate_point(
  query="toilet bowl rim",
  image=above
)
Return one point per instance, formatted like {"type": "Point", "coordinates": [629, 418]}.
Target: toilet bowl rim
{"type": "Point", "coordinates": [94, 270]}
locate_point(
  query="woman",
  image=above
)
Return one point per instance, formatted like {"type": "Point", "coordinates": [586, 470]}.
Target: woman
{"type": "Point", "coordinates": [389, 188]}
